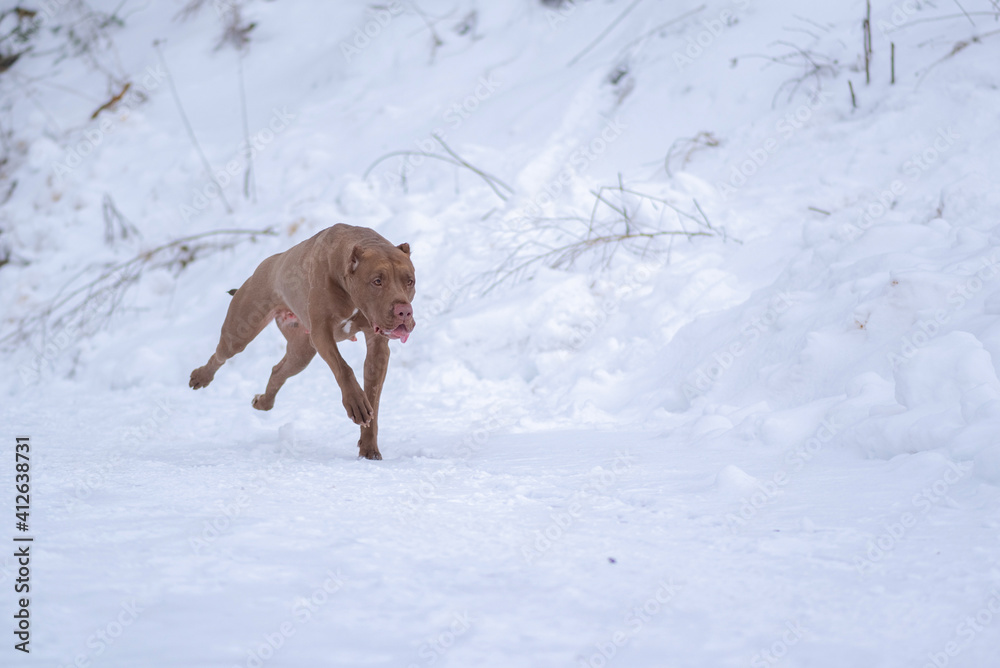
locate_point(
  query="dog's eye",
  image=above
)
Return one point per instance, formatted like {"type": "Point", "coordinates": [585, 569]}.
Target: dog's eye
{"type": "Point", "coordinates": [377, 281]}
{"type": "Point", "coordinates": [409, 283]}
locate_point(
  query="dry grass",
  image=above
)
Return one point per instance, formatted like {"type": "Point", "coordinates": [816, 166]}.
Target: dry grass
{"type": "Point", "coordinates": [621, 220]}
{"type": "Point", "coordinates": [90, 298]}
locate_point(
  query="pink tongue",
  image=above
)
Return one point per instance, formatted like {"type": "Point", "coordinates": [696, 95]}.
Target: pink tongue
{"type": "Point", "coordinates": [401, 333]}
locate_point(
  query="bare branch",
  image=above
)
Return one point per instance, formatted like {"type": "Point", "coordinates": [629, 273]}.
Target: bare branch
{"type": "Point", "coordinates": [604, 33]}
{"type": "Point", "coordinates": [81, 307]}
{"type": "Point", "coordinates": [619, 220]}
{"type": "Point", "coordinates": [452, 158]}
{"type": "Point", "coordinates": [190, 130]}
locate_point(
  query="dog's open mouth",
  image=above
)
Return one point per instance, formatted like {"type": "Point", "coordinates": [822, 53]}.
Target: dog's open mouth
{"type": "Point", "coordinates": [399, 333]}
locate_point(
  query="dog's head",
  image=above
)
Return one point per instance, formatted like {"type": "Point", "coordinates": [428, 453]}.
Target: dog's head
{"type": "Point", "coordinates": [381, 280]}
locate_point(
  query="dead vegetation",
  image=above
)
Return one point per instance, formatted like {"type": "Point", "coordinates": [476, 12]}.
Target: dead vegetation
{"type": "Point", "coordinates": [501, 189]}
{"type": "Point", "coordinates": [92, 296]}
{"type": "Point", "coordinates": [684, 148]}
{"type": "Point", "coordinates": [621, 220]}
{"type": "Point", "coordinates": [812, 67]}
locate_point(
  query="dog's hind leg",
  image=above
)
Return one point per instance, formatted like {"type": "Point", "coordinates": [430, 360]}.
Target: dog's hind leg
{"type": "Point", "coordinates": [252, 308]}
{"type": "Point", "coordinates": [298, 353]}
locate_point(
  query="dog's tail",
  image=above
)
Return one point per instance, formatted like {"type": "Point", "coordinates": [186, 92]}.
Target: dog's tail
{"type": "Point", "coordinates": [232, 292]}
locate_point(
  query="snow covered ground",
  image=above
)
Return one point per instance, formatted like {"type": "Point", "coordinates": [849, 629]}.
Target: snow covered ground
{"type": "Point", "coordinates": [772, 445]}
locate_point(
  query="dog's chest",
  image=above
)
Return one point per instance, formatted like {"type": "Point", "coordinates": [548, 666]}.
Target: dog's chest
{"type": "Point", "coordinates": [348, 323]}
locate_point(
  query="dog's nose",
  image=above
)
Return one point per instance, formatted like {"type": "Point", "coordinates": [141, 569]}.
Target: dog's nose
{"type": "Point", "coordinates": [403, 311]}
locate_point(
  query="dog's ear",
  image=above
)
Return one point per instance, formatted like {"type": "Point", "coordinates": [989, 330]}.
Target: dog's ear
{"type": "Point", "coordinates": [356, 254]}
{"type": "Point", "coordinates": [404, 247]}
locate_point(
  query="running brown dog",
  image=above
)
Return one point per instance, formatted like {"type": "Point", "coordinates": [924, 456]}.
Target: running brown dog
{"type": "Point", "coordinates": [326, 289]}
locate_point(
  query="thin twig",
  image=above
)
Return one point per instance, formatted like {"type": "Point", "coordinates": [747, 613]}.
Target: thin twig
{"type": "Point", "coordinates": [437, 41]}
{"type": "Point", "coordinates": [603, 34]}
{"type": "Point", "coordinates": [488, 177]}
{"type": "Point", "coordinates": [708, 223]}
{"type": "Point", "coordinates": [945, 17]}
{"type": "Point", "coordinates": [190, 130]}
{"type": "Point", "coordinates": [250, 179]}
{"type": "Point", "coordinates": [868, 40]}
{"type": "Point", "coordinates": [565, 254]}
{"type": "Point", "coordinates": [599, 194]}
{"type": "Point", "coordinates": [652, 198]}
{"type": "Point", "coordinates": [892, 62]}
{"type": "Point", "coordinates": [701, 140]}
{"type": "Point", "coordinates": [393, 154]}
{"type": "Point", "coordinates": [797, 58]}
{"type": "Point", "coordinates": [806, 19]}
{"type": "Point", "coordinates": [625, 229]}
{"type": "Point", "coordinates": [660, 27]}
{"type": "Point", "coordinates": [959, 46]}
{"type": "Point", "coordinates": [454, 159]}
{"type": "Point", "coordinates": [112, 102]}
{"type": "Point", "coordinates": [628, 221]}
{"type": "Point", "coordinates": [112, 216]}
{"type": "Point", "coordinates": [965, 13]}
{"type": "Point", "coordinates": [127, 271]}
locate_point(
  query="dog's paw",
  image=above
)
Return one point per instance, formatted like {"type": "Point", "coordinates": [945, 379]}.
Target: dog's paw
{"type": "Point", "coordinates": [368, 450]}
{"type": "Point", "coordinates": [200, 378]}
{"type": "Point", "coordinates": [359, 409]}
{"type": "Point", "coordinates": [262, 403]}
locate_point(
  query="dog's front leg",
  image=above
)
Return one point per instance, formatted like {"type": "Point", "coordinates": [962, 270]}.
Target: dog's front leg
{"type": "Point", "coordinates": [359, 409]}
{"type": "Point", "coordinates": [376, 365]}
